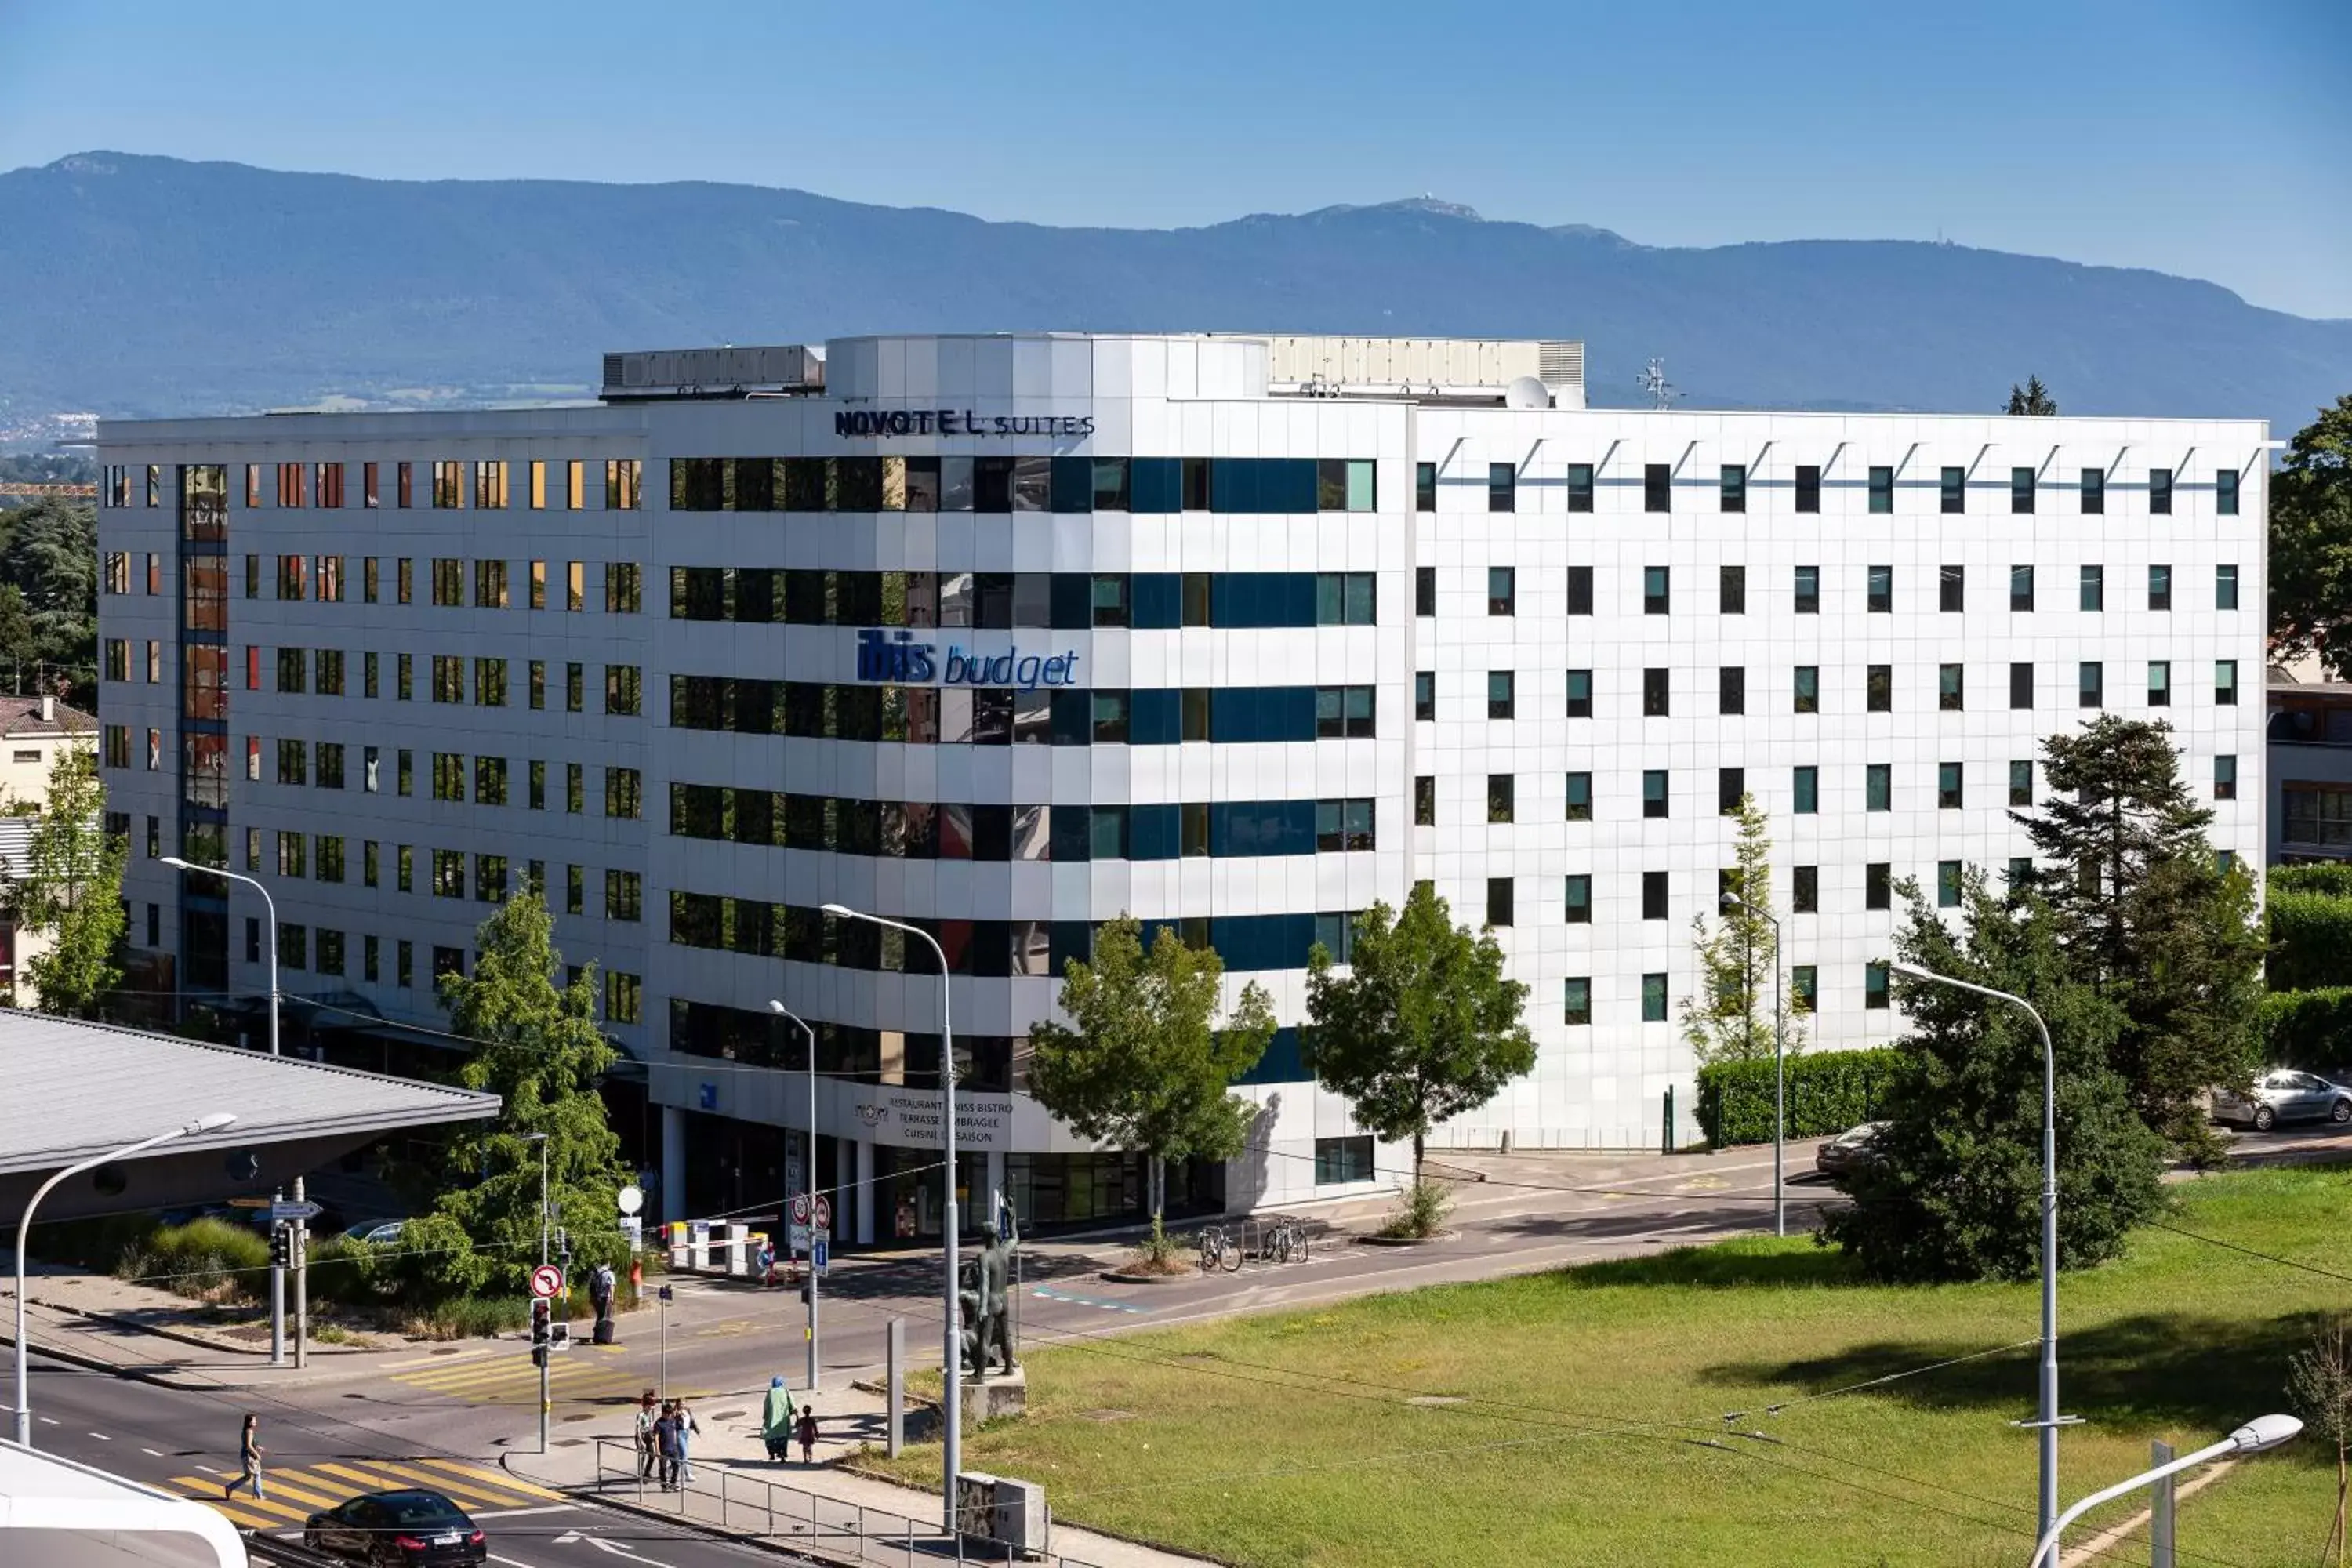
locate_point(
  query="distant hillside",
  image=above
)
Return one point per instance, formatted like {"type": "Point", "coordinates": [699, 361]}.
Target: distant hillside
{"type": "Point", "coordinates": [141, 285]}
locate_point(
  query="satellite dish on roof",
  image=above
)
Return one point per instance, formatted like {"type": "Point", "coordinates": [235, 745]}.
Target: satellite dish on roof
{"type": "Point", "coordinates": [1527, 392]}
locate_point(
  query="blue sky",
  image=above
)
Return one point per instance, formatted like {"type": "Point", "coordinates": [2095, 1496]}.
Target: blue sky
{"type": "Point", "coordinates": [2203, 140]}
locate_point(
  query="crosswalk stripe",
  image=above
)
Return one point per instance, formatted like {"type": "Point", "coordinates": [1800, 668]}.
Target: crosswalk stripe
{"type": "Point", "coordinates": [368, 1479]}
{"type": "Point", "coordinates": [204, 1491]}
{"type": "Point", "coordinates": [473, 1494]}
{"type": "Point", "coordinates": [504, 1481]}
{"type": "Point", "coordinates": [461, 1379]}
{"type": "Point", "coordinates": [301, 1488]}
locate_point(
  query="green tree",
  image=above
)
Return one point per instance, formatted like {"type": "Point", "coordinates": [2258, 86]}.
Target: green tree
{"type": "Point", "coordinates": [1731, 1018]}
{"type": "Point", "coordinates": [2031, 398]}
{"type": "Point", "coordinates": [1954, 1191]}
{"type": "Point", "coordinates": [50, 557]}
{"type": "Point", "coordinates": [2311, 544]}
{"type": "Point", "coordinates": [1423, 1025]}
{"type": "Point", "coordinates": [20, 642]}
{"type": "Point", "coordinates": [2319, 1383]}
{"type": "Point", "coordinates": [1141, 1064]}
{"type": "Point", "coordinates": [539, 1048]}
{"type": "Point", "coordinates": [72, 890]}
{"type": "Point", "coordinates": [2149, 918]}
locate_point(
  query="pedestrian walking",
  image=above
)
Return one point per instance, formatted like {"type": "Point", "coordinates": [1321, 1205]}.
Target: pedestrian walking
{"type": "Point", "coordinates": [688, 1428]}
{"type": "Point", "coordinates": [248, 1459]}
{"type": "Point", "coordinates": [807, 1433]}
{"type": "Point", "coordinates": [647, 1416]}
{"type": "Point", "coordinates": [776, 1421]}
{"type": "Point", "coordinates": [666, 1440]}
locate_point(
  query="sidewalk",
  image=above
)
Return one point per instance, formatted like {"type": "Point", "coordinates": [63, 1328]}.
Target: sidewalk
{"type": "Point", "coordinates": [826, 1507]}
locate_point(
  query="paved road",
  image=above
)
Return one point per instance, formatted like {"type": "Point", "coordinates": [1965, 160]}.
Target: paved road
{"type": "Point", "coordinates": [186, 1443]}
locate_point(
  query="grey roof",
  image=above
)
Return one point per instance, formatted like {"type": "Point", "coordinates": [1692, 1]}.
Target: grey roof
{"type": "Point", "coordinates": [69, 1090]}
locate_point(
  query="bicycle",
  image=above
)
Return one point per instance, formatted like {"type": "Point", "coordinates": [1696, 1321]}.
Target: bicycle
{"type": "Point", "coordinates": [1212, 1248]}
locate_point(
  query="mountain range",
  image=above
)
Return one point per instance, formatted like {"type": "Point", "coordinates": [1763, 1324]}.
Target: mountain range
{"type": "Point", "coordinates": [149, 286]}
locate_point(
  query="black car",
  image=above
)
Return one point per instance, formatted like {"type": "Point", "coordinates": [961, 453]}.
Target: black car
{"type": "Point", "coordinates": [413, 1529]}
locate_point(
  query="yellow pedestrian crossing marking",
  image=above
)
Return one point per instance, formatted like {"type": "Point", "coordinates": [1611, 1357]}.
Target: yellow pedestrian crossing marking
{"type": "Point", "coordinates": [290, 1496]}
{"type": "Point", "coordinates": [512, 1380]}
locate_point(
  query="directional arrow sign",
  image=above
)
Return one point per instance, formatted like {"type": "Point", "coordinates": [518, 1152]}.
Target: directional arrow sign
{"type": "Point", "coordinates": [302, 1209]}
{"type": "Point", "coordinates": [610, 1548]}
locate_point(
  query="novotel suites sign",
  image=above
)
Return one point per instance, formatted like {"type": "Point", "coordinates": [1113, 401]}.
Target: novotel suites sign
{"type": "Point", "coordinates": [895, 657]}
{"type": "Point", "coordinates": [873, 422]}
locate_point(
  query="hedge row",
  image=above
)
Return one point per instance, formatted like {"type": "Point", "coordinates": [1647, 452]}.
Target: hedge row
{"type": "Point", "coordinates": [2307, 1029]}
{"type": "Point", "coordinates": [2331, 878]}
{"type": "Point", "coordinates": [1828, 1091]}
{"type": "Point", "coordinates": [2311, 940]}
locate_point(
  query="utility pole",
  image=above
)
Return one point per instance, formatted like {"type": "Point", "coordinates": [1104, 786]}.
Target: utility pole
{"type": "Point", "coordinates": [301, 1248]}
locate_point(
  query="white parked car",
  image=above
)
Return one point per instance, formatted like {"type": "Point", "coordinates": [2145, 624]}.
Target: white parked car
{"type": "Point", "coordinates": [2285, 1094]}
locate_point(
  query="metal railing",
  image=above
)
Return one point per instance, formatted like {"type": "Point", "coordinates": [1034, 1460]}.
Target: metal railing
{"type": "Point", "coordinates": [752, 1505]}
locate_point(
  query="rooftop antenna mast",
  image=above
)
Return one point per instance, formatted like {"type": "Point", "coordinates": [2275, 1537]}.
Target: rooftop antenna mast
{"type": "Point", "coordinates": [1653, 380]}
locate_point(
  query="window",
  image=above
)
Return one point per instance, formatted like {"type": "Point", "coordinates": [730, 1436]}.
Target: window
{"type": "Point", "coordinates": [1424, 801]}
{"type": "Point", "coordinates": [1500, 689]}
{"type": "Point", "coordinates": [2225, 492]}
{"type": "Point", "coordinates": [1878, 885]}
{"type": "Point", "coordinates": [2159, 492]}
{"type": "Point", "coordinates": [623, 689]}
{"type": "Point", "coordinates": [2090, 686]}
{"type": "Point", "coordinates": [1653, 792]}
{"type": "Point", "coordinates": [623, 895]}
{"type": "Point", "coordinates": [1424, 487]}
{"type": "Point", "coordinates": [2159, 683]}
{"type": "Point", "coordinates": [1878, 688]}
{"type": "Point", "coordinates": [1809, 590]}
{"type": "Point", "coordinates": [625, 587]}
{"type": "Point", "coordinates": [1653, 998]}
{"type": "Point", "coordinates": [1948, 786]}
{"type": "Point", "coordinates": [1580, 694]}
{"type": "Point", "coordinates": [1653, 693]}
{"type": "Point", "coordinates": [1807, 688]}
{"type": "Point", "coordinates": [1808, 487]}
{"type": "Point", "coordinates": [2020, 588]}
{"type": "Point", "coordinates": [2095, 588]}
{"type": "Point", "coordinates": [2225, 587]}
{"type": "Point", "coordinates": [1656, 582]}
{"type": "Point", "coordinates": [1502, 593]}
{"type": "Point", "coordinates": [1577, 1000]}
{"type": "Point", "coordinates": [1805, 987]}
{"type": "Point", "coordinates": [1579, 797]}
{"type": "Point", "coordinates": [1731, 690]}
{"type": "Point", "coordinates": [2020, 492]}
{"type": "Point", "coordinates": [1342, 1159]}
{"type": "Point", "coordinates": [575, 687]}
{"type": "Point", "coordinates": [2094, 492]}
{"type": "Point", "coordinates": [1805, 890]}
{"type": "Point", "coordinates": [1498, 901]}
{"type": "Point", "coordinates": [1657, 487]}
{"type": "Point", "coordinates": [1732, 487]}
{"type": "Point", "coordinates": [623, 998]}
{"type": "Point", "coordinates": [1950, 697]}
{"type": "Point", "coordinates": [1731, 591]}
{"type": "Point", "coordinates": [1882, 490]}
{"type": "Point", "coordinates": [1878, 786]}
{"type": "Point", "coordinates": [1807, 790]}
{"type": "Point", "coordinates": [2021, 783]}
{"type": "Point", "coordinates": [1502, 789]}
{"type": "Point", "coordinates": [1955, 490]}
{"type": "Point", "coordinates": [1653, 895]}
{"type": "Point", "coordinates": [1424, 590]}
{"type": "Point", "coordinates": [1948, 884]}
{"type": "Point", "coordinates": [2225, 682]}
{"type": "Point", "coordinates": [1881, 591]}
{"type": "Point", "coordinates": [1580, 487]}
{"type": "Point", "coordinates": [1425, 695]}
{"type": "Point", "coordinates": [623, 484]}
{"type": "Point", "coordinates": [1502, 487]}
{"type": "Point", "coordinates": [2019, 874]}
{"type": "Point", "coordinates": [1580, 901]}
{"type": "Point", "coordinates": [1730, 789]}
{"type": "Point", "coordinates": [2225, 778]}
{"type": "Point", "coordinates": [623, 793]}
{"type": "Point", "coordinates": [2159, 587]}
{"type": "Point", "coordinates": [1874, 979]}
{"type": "Point", "coordinates": [1951, 585]}
{"type": "Point", "coordinates": [1579, 590]}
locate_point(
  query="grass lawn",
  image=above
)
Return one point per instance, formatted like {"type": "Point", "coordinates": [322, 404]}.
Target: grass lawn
{"type": "Point", "coordinates": [1582, 1404]}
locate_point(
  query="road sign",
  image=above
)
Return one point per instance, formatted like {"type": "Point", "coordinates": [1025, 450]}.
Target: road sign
{"type": "Point", "coordinates": [666, 1294]}
{"type": "Point", "coordinates": [298, 1209]}
{"type": "Point", "coordinates": [248, 1203]}
{"type": "Point", "coordinates": [546, 1281]}
{"type": "Point", "coordinates": [801, 1209]}
{"type": "Point", "coordinates": [630, 1199]}
{"type": "Point", "coordinates": [824, 1212]}
{"type": "Point", "coordinates": [823, 1256]}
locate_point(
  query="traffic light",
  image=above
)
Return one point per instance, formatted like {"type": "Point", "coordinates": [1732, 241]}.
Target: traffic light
{"type": "Point", "coordinates": [542, 1334]}
{"type": "Point", "coordinates": [281, 1246]}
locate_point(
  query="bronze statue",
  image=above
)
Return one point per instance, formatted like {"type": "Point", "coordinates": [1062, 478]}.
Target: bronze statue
{"type": "Point", "coordinates": [984, 1295]}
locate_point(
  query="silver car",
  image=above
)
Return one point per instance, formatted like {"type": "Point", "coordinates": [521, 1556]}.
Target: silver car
{"type": "Point", "coordinates": [2285, 1094]}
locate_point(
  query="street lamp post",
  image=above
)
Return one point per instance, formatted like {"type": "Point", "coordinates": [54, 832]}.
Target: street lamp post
{"type": "Point", "coordinates": [2048, 1422]}
{"type": "Point", "coordinates": [2262, 1432]}
{"type": "Point", "coordinates": [211, 1123]}
{"type": "Point", "coordinates": [951, 1343]}
{"type": "Point", "coordinates": [268, 903]}
{"type": "Point", "coordinates": [1779, 1066]}
{"type": "Point", "coordinates": [809, 1184]}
